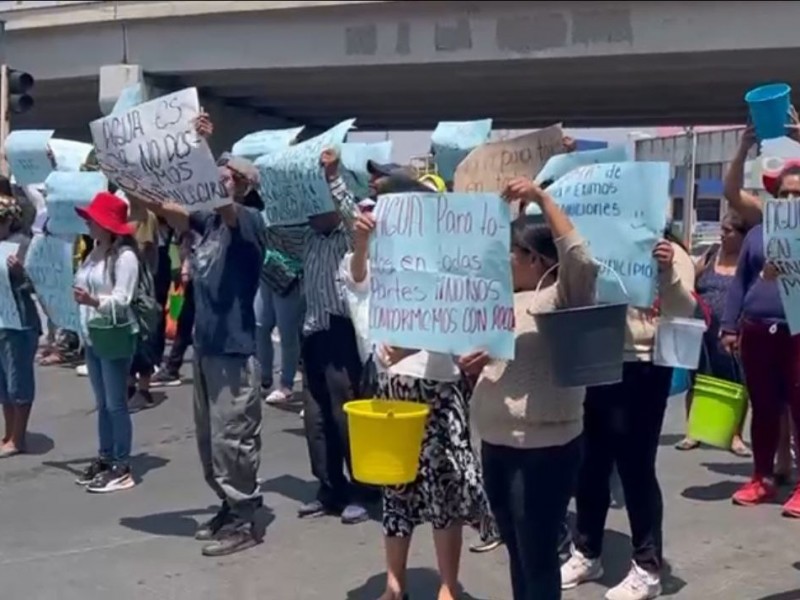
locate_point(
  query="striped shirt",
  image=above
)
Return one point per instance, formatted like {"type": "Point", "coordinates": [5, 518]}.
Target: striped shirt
{"type": "Point", "coordinates": [321, 255]}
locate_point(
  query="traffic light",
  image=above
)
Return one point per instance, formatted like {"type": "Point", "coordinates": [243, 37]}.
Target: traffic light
{"type": "Point", "coordinates": [19, 84]}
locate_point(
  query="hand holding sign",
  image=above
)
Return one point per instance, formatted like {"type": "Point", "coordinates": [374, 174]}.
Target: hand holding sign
{"type": "Point", "coordinates": [203, 124]}
{"type": "Point", "coordinates": [473, 363]}
{"type": "Point", "coordinates": [329, 161]}
{"type": "Point", "coordinates": [523, 190]}
{"type": "Point", "coordinates": [14, 266]}
{"type": "Point", "coordinates": [664, 253]}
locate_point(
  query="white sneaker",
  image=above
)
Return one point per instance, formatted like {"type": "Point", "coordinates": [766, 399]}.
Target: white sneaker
{"type": "Point", "coordinates": [638, 585]}
{"type": "Point", "coordinates": [579, 569]}
{"type": "Point", "coordinates": [278, 396]}
{"type": "Point", "coordinates": [82, 371]}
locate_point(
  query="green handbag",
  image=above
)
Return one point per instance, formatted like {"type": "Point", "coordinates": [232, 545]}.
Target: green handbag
{"type": "Point", "coordinates": [112, 340]}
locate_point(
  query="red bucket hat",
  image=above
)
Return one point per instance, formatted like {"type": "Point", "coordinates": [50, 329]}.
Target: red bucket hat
{"type": "Point", "coordinates": [109, 212]}
{"type": "Point", "coordinates": [771, 180]}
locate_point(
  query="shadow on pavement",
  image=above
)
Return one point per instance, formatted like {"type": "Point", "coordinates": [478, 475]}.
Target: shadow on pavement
{"type": "Point", "coordinates": [291, 487]}
{"type": "Point", "coordinates": [790, 595]}
{"type": "Point", "coordinates": [733, 469]}
{"type": "Point", "coordinates": [141, 464]}
{"type": "Point", "coordinates": [716, 492]}
{"type": "Point", "coordinates": [181, 523]}
{"type": "Point", "coordinates": [38, 444]}
{"type": "Point", "coordinates": [422, 583]}
{"type": "Point", "coordinates": [670, 439]}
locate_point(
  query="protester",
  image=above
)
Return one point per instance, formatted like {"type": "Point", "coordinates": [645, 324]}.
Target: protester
{"type": "Point", "coordinates": [448, 490]}
{"type": "Point", "coordinates": [714, 273]}
{"type": "Point", "coordinates": [754, 324]}
{"type": "Point", "coordinates": [530, 429]}
{"type": "Point", "coordinates": [622, 425]}
{"type": "Point", "coordinates": [105, 285]}
{"type": "Point", "coordinates": [17, 346]}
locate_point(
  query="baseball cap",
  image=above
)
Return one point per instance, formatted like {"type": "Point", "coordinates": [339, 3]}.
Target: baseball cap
{"type": "Point", "coordinates": [242, 166]}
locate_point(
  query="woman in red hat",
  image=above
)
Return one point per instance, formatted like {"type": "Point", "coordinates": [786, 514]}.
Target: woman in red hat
{"type": "Point", "coordinates": [105, 284]}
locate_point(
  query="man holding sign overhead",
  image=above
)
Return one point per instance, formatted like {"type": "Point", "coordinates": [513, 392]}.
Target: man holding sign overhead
{"type": "Point", "coordinates": [225, 267]}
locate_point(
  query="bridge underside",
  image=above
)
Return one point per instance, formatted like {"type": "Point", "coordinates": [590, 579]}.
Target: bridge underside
{"type": "Point", "coordinates": [667, 89]}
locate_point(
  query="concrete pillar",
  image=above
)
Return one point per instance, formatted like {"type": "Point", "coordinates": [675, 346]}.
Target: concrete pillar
{"type": "Point", "coordinates": [114, 79]}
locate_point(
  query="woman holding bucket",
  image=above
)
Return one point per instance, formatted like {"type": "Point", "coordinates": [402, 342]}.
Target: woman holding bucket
{"type": "Point", "coordinates": [754, 324]}
{"type": "Point", "coordinates": [622, 426]}
{"type": "Point", "coordinates": [531, 429]}
{"type": "Point", "coordinates": [715, 273]}
{"type": "Point", "coordinates": [448, 490]}
{"type": "Point", "coordinates": [105, 285]}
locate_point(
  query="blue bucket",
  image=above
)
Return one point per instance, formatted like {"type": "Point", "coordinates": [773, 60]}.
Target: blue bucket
{"type": "Point", "coordinates": [769, 109]}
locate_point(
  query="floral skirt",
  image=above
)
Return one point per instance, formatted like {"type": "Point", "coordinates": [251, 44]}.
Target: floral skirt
{"type": "Point", "coordinates": [449, 486]}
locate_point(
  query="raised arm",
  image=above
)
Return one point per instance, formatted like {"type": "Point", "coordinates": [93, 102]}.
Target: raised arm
{"type": "Point", "coordinates": [746, 204]}
{"type": "Point", "coordinates": [676, 274]}
{"type": "Point", "coordinates": [344, 201]}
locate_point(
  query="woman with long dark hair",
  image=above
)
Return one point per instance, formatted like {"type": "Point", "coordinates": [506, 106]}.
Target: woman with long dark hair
{"type": "Point", "coordinates": [105, 285]}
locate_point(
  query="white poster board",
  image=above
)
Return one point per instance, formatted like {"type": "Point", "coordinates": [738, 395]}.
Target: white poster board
{"type": "Point", "coordinates": [154, 147]}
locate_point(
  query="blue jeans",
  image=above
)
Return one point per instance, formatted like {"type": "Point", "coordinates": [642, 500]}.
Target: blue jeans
{"type": "Point", "coordinates": [285, 312]}
{"type": "Point", "coordinates": [109, 379]}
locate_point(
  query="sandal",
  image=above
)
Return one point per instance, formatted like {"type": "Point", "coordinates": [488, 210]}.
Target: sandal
{"type": "Point", "coordinates": [687, 444]}
{"type": "Point", "coordinates": [739, 448]}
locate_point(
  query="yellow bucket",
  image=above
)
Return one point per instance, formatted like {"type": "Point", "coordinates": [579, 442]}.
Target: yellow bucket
{"type": "Point", "coordinates": [385, 440]}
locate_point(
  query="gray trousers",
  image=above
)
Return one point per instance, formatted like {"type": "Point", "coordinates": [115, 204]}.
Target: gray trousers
{"type": "Point", "coordinates": [227, 418]}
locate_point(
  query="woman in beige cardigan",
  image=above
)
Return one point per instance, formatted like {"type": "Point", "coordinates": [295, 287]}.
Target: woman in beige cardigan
{"type": "Point", "coordinates": [622, 426]}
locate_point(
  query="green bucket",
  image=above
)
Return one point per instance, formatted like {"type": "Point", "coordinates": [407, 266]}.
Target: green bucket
{"type": "Point", "coordinates": [718, 407]}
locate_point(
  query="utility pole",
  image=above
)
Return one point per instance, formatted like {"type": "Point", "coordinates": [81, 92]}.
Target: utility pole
{"type": "Point", "coordinates": [4, 124]}
{"type": "Point", "coordinates": [688, 196]}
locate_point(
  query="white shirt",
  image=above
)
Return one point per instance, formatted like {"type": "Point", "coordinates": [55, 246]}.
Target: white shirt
{"type": "Point", "coordinates": [94, 277]}
{"type": "Point", "coordinates": [422, 365]}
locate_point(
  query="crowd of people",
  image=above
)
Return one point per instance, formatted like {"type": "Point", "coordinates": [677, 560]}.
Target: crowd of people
{"type": "Point", "coordinates": [540, 445]}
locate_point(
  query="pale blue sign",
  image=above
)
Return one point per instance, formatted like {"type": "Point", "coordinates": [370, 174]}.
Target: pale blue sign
{"type": "Point", "coordinates": [27, 155]}
{"type": "Point", "coordinates": [259, 143]}
{"type": "Point", "coordinates": [440, 275]}
{"type": "Point", "coordinates": [9, 312]}
{"type": "Point", "coordinates": [64, 192]}
{"type": "Point", "coordinates": [293, 186]}
{"type": "Point", "coordinates": [354, 158]}
{"type": "Point", "coordinates": [451, 141]}
{"type": "Point", "coordinates": [48, 264]}
{"type": "Point", "coordinates": [69, 154]}
{"type": "Point", "coordinates": [782, 248]}
{"type": "Point", "coordinates": [621, 210]}
{"type": "Point", "coordinates": [559, 165]}
{"type": "Point", "coordinates": [132, 95]}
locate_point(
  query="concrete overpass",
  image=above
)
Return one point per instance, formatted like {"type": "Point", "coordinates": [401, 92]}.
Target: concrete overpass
{"type": "Point", "coordinates": [407, 65]}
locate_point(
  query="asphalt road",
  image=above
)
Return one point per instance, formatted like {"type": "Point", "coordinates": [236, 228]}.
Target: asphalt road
{"type": "Point", "coordinates": [59, 543]}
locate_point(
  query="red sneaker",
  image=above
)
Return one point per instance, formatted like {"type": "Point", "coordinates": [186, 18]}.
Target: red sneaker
{"type": "Point", "coordinates": [792, 507]}
{"type": "Point", "coordinates": [754, 492]}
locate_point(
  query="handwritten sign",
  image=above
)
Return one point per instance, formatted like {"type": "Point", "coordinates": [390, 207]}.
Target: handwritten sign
{"type": "Point", "coordinates": [782, 248]}
{"type": "Point", "coordinates": [69, 154]}
{"type": "Point", "coordinates": [491, 166]}
{"type": "Point", "coordinates": [559, 165]}
{"type": "Point", "coordinates": [154, 147]}
{"type": "Point", "coordinates": [621, 210]}
{"type": "Point", "coordinates": [452, 141]}
{"type": "Point", "coordinates": [440, 274]}
{"type": "Point", "coordinates": [354, 158]}
{"type": "Point", "coordinates": [64, 192]}
{"type": "Point", "coordinates": [9, 312]}
{"type": "Point", "coordinates": [259, 143]}
{"type": "Point", "coordinates": [293, 186]}
{"type": "Point", "coordinates": [26, 153]}
{"type": "Point", "coordinates": [48, 264]}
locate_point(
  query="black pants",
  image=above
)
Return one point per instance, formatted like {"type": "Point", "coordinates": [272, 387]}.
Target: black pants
{"type": "Point", "coordinates": [529, 490]}
{"type": "Point", "coordinates": [622, 425]}
{"type": "Point", "coordinates": [162, 281]}
{"type": "Point", "coordinates": [333, 372]}
{"type": "Point", "coordinates": [183, 333]}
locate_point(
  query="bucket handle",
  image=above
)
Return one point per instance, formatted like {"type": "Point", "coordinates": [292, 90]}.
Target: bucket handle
{"type": "Point", "coordinates": [595, 261]}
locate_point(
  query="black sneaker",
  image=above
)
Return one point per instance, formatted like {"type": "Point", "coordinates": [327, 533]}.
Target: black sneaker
{"type": "Point", "coordinates": [115, 479]}
{"type": "Point", "coordinates": [165, 378]}
{"type": "Point", "coordinates": [208, 531]}
{"type": "Point", "coordinates": [94, 469]}
{"type": "Point", "coordinates": [234, 539]}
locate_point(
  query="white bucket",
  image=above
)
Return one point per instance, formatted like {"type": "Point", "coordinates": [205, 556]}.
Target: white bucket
{"type": "Point", "coordinates": [679, 342]}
